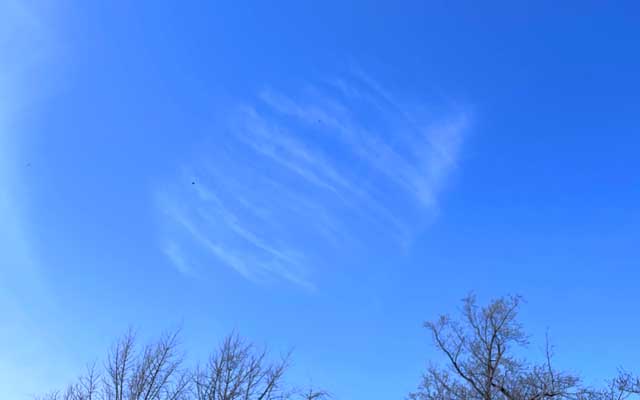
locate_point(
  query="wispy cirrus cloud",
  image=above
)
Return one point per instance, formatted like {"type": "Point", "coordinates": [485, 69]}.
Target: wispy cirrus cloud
{"type": "Point", "coordinates": [295, 176]}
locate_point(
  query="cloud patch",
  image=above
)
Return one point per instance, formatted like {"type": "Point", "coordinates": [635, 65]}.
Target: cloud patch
{"type": "Point", "coordinates": [291, 178]}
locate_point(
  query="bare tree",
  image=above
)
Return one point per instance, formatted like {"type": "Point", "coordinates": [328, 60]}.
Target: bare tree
{"type": "Point", "coordinates": [312, 394]}
{"type": "Point", "coordinates": [86, 388]}
{"type": "Point", "coordinates": [627, 383]}
{"type": "Point", "coordinates": [623, 387]}
{"type": "Point", "coordinates": [239, 371]}
{"type": "Point", "coordinates": [235, 371]}
{"type": "Point", "coordinates": [153, 373]}
{"type": "Point", "coordinates": [479, 348]}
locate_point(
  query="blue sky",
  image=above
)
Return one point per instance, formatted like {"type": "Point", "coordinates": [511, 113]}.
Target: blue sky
{"type": "Point", "coordinates": [322, 176]}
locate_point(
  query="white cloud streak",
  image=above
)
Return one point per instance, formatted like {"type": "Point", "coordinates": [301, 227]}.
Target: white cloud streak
{"type": "Point", "coordinates": [296, 176]}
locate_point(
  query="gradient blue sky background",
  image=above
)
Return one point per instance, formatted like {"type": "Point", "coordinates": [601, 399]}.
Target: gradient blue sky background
{"type": "Point", "coordinates": [317, 175]}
